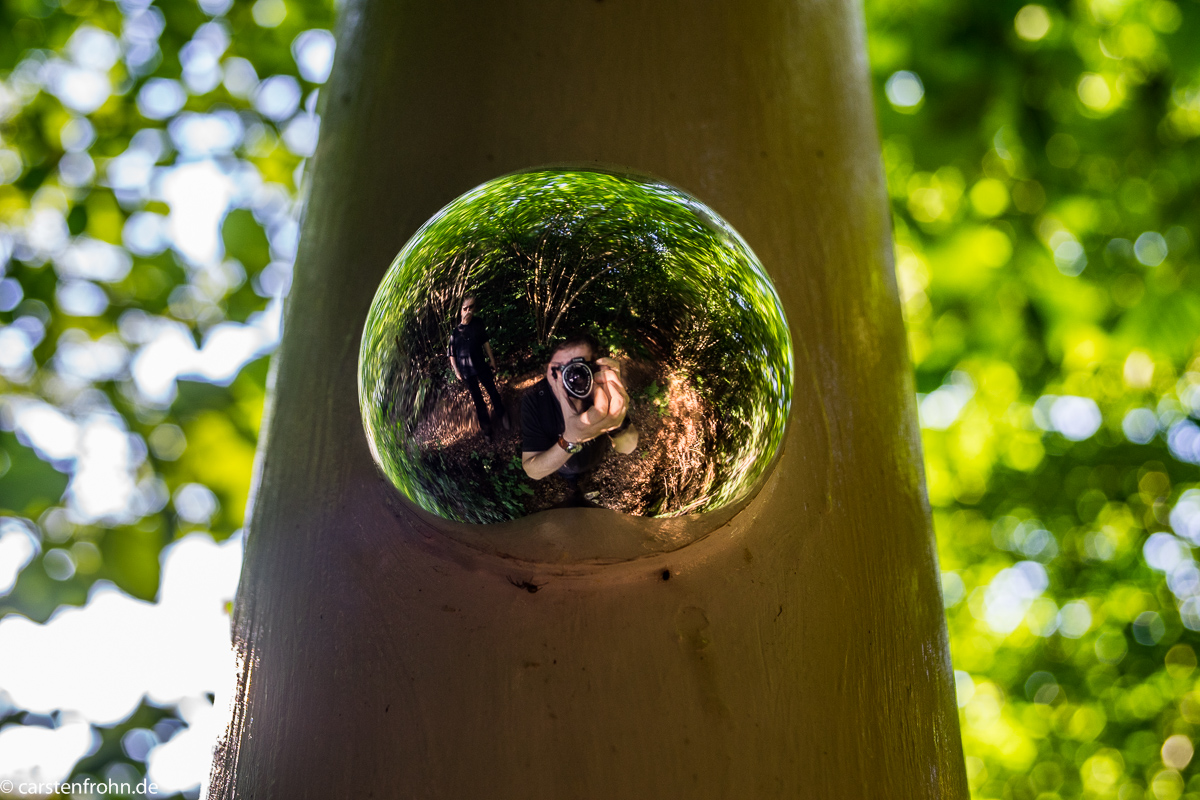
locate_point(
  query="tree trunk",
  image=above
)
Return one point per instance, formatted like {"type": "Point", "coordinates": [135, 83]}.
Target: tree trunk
{"type": "Point", "coordinates": [800, 651]}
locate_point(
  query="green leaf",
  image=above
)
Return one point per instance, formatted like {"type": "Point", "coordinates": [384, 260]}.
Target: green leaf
{"type": "Point", "coordinates": [29, 484]}
{"type": "Point", "coordinates": [245, 240]}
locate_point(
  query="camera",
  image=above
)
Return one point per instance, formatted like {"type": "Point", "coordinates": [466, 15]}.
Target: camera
{"type": "Point", "coordinates": [576, 377]}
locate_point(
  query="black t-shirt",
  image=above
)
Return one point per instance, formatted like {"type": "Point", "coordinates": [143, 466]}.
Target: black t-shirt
{"type": "Point", "coordinates": [466, 347]}
{"type": "Point", "coordinates": [542, 424]}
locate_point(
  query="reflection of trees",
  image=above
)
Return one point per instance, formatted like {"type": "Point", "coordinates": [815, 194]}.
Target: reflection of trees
{"type": "Point", "coordinates": [567, 258]}
{"type": "Point", "coordinates": [644, 267]}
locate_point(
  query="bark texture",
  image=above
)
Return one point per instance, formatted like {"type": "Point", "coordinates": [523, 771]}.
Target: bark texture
{"type": "Point", "coordinates": [800, 651]}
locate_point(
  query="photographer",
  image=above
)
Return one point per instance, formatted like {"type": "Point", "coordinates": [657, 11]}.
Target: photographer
{"type": "Point", "coordinates": [576, 414]}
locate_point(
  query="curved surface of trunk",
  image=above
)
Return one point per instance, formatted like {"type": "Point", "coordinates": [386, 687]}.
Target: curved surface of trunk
{"type": "Point", "coordinates": [801, 650]}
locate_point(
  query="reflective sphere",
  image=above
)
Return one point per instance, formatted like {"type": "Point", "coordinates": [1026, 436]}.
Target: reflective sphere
{"type": "Point", "coordinates": [678, 403]}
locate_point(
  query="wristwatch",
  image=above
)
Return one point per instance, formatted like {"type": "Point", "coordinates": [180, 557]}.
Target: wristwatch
{"type": "Point", "coordinates": [570, 447]}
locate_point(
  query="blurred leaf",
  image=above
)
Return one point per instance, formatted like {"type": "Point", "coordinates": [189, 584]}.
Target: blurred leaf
{"type": "Point", "coordinates": [28, 484]}
{"type": "Point", "coordinates": [221, 457]}
{"type": "Point", "coordinates": [245, 240]}
{"type": "Point", "coordinates": [131, 559]}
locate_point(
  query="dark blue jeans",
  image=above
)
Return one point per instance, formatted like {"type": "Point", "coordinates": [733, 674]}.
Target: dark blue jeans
{"type": "Point", "coordinates": [484, 376]}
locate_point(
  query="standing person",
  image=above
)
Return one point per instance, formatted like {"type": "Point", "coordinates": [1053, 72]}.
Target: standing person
{"type": "Point", "coordinates": [468, 344]}
{"type": "Point", "coordinates": [564, 433]}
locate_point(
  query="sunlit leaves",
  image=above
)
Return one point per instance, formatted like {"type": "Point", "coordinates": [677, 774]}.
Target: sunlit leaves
{"type": "Point", "coordinates": [1045, 199]}
{"type": "Point", "coordinates": [148, 221]}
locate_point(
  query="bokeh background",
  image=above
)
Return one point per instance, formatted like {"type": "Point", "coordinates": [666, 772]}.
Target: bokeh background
{"type": "Point", "coordinates": [1043, 165]}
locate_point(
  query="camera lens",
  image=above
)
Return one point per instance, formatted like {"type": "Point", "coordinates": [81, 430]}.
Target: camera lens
{"type": "Point", "coordinates": [577, 380]}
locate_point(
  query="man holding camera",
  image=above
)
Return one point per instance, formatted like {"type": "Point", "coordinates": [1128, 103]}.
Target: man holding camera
{"type": "Point", "coordinates": [576, 414]}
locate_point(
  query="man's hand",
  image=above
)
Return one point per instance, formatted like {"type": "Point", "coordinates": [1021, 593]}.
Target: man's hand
{"type": "Point", "coordinates": [610, 401]}
{"type": "Point", "coordinates": [609, 404]}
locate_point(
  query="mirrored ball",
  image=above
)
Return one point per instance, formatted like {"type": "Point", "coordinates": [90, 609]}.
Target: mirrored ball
{"type": "Point", "coordinates": [575, 304]}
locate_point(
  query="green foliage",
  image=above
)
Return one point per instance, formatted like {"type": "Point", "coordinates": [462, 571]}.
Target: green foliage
{"type": "Point", "coordinates": [61, 185]}
{"type": "Point", "coordinates": [658, 398]}
{"type": "Point", "coordinates": [245, 240]}
{"type": "Point", "coordinates": [29, 484]}
{"type": "Point", "coordinates": [1044, 189]}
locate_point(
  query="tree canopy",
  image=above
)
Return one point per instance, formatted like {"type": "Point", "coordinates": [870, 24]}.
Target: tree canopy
{"type": "Point", "coordinates": [1042, 167]}
{"type": "Point", "coordinates": [151, 182]}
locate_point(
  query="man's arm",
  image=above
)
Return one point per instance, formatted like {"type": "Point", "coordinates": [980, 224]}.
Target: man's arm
{"type": "Point", "coordinates": [606, 413]}
{"type": "Point", "coordinates": [487, 348]}
{"type": "Point", "coordinates": [539, 465]}
{"type": "Point", "coordinates": [540, 452]}
{"type": "Point", "coordinates": [449, 354]}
